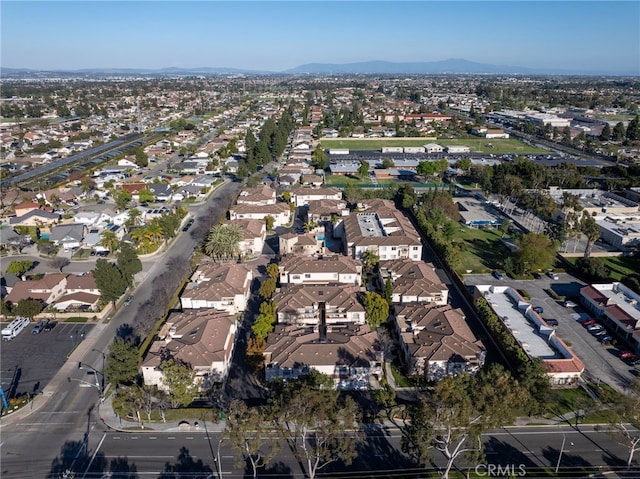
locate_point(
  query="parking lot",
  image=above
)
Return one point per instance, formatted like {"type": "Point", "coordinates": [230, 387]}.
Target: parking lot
{"type": "Point", "coordinates": [29, 361]}
{"type": "Point", "coordinates": [601, 361]}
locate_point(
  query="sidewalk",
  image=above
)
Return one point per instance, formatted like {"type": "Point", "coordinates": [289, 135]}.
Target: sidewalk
{"type": "Point", "coordinates": [117, 423]}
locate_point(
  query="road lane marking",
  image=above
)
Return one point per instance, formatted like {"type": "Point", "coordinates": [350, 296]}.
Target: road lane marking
{"type": "Point", "coordinates": [115, 437]}
{"type": "Point", "coordinates": [171, 437]}
{"type": "Point", "coordinates": [94, 455]}
{"type": "Point", "coordinates": [153, 437]}
{"type": "Point", "coordinates": [44, 423]}
{"type": "Point", "coordinates": [189, 437]}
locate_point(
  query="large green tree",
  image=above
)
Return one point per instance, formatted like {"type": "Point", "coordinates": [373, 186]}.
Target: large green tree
{"type": "Point", "coordinates": [19, 267]}
{"type": "Point", "coordinates": [536, 252]}
{"type": "Point", "coordinates": [122, 362]}
{"type": "Point", "coordinates": [28, 308]}
{"type": "Point", "coordinates": [128, 262]}
{"type": "Point", "coordinates": [179, 379]}
{"type": "Point", "coordinates": [376, 309]}
{"type": "Point", "coordinates": [110, 280]}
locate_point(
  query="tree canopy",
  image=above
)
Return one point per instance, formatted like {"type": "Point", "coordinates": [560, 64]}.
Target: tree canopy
{"type": "Point", "coordinates": [109, 280]}
{"type": "Point", "coordinates": [223, 241]}
{"type": "Point", "coordinates": [122, 362]}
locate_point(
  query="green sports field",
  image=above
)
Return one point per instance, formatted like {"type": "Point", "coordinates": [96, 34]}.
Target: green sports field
{"type": "Point", "coordinates": [479, 145]}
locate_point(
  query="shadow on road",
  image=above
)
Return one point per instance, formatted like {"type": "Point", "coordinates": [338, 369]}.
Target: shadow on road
{"type": "Point", "coordinates": [186, 466]}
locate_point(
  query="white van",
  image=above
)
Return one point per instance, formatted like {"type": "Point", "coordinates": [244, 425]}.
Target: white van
{"type": "Point", "coordinates": [14, 328]}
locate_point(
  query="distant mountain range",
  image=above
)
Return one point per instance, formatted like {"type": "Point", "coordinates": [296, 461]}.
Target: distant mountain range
{"type": "Point", "coordinates": [443, 67]}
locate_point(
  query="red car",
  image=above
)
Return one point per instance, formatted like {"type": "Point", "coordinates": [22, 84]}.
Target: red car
{"type": "Point", "coordinates": [627, 355]}
{"type": "Point", "coordinates": [587, 322]}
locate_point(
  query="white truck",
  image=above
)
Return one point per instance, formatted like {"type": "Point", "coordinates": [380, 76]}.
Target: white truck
{"type": "Point", "coordinates": [14, 328]}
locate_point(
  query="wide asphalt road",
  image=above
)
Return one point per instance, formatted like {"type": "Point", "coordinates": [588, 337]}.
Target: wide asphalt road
{"type": "Point", "coordinates": [195, 454]}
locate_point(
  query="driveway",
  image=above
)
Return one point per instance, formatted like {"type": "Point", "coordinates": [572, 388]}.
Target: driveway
{"type": "Point", "coordinates": [601, 361]}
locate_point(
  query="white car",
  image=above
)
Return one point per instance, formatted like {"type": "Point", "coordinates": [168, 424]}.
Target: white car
{"type": "Point", "coordinates": [569, 304]}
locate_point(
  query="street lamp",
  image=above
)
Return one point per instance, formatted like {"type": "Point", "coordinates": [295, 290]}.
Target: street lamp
{"type": "Point", "coordinates": [95, 373]}
{"type": "Point", "coordinates": [104, 358]}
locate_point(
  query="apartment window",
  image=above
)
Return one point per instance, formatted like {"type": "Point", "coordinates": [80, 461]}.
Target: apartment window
{"type": "Point", "coordinates": [393, 248]}
{"type": "Point", "coordinates": [414, 248]}
{"type": "Point", "coordinates": [307, 275]}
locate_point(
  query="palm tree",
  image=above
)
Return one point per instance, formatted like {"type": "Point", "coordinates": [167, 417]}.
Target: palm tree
{"type": "Point", "coordinates": [370, 259]}
{"type": "Point", "coordinates": [109, 240]}
{"type": "Point", "coordinates": [134, 217]}
{"type": "Point", "coordinates": [140, 236]}
{"type": "Point", "coordinates": [154, 230]}
{"type": "Point", "coordinates": [589, 227]}
{"type": "Point", "coordinates": [223, 241]}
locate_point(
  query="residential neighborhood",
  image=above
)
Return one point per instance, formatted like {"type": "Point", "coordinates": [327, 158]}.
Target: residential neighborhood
{"type": "Point", "coordinates": [370, 248]}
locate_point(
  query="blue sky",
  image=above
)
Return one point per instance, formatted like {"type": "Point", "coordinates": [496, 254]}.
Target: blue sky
{"type": "Point", "coordinates": [266, 35]}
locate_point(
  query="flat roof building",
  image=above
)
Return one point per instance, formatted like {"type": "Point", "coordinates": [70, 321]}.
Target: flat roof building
{"type": "Point", "coordinates": [532, 333]}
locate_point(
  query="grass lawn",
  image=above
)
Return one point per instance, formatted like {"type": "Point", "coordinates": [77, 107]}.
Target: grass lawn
{"type": "Point", "coordinates": [482, 250]}
{"type": "Point", "coordinates": [619, 266]}
{"type": "Point", "coordinates": [401, 380]}
{"type": "Point", "coordinates": [562, 401]}
{"type": "Point", "coordinates": [622, 266]}
{"type": "Point", "coordinates": [500, 146]}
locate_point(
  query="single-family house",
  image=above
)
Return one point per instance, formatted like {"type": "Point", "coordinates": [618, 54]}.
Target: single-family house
{"type": "Point", "coordinates": [47, 289]}
{"type": "Point", "coordinates": [69, 236]}
{"type": "Point", "coordinates": [260, 195]}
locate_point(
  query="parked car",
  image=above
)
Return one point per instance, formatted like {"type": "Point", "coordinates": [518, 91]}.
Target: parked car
{"type": "Point", "coordinates": [587, 322]}
{"type": "Point", "coordinates": [628, 355]}
{"type": "Point", "coordinates": [569, 304]}
{"type": "Point", "coordinates": [595, 327]}
{"type": "Point", "coordinates": [498, 275]}
{"type": "Point", "coordinates": [538, 309]}
{"type": "Point", "coordinates": [127, 301]}
{"type": "Point", "coordinates": [49, 326]}
{"type": "Point", "coordinates": [39, 327]}
{"type": "Point", "coordinates": [553, 275]}
{"type": "Point", "coordinates": [552, 322]}
{"type": "Point", "coordinates": [599, 332]}
{"type": "Point", "coordinates": [605, 338]}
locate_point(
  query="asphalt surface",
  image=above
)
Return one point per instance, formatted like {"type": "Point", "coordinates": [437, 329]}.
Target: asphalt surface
{"type": "Point", "coordinates": [29, 361]}
{"type": "Point", "coordinates": [199, 453]}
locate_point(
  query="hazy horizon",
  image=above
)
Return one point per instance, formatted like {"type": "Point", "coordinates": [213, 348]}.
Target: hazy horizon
{"type": "Point", "coordinates": [278, 36]}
